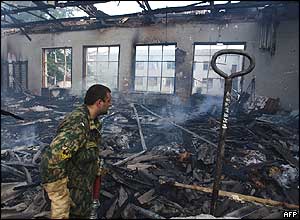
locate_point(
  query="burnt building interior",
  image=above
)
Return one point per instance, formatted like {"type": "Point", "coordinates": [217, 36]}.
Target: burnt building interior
{"type": "Point", "coordinates": [164, 144]}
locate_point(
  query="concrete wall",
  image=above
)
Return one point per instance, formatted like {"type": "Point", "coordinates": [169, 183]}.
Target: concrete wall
{"type": "Point", "coordinates": [276, 76]}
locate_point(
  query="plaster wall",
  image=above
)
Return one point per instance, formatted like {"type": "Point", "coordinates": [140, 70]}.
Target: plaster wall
{"type": "Point", "coordinates": [276, 76]}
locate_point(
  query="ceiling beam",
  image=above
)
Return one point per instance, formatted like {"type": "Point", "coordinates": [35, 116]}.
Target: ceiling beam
{"type": "Point", "coordinates": [48, 6]}
{"type": "Point", "coordinates": [142, 6]}
{"type": "Point", "coordinates": [38, 16]}
{"type": "Point", "coordinates": [244, 4]}
{"type": "Point", "coordinates": [40, 3]}
{"type": "Point", "coordinates": [92, 11]}
{"type": "Point", "coordinates": [148, 6]}
{"type": "Point", "coordinates": [16, 21]}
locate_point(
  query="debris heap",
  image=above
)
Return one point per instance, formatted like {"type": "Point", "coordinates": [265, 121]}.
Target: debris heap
{"type": "Point", "coordinates": [160, 161]}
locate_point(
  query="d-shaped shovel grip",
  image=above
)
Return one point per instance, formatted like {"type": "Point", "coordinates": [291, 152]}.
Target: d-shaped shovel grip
{"type": "Point", "coordinates": [232, 51]}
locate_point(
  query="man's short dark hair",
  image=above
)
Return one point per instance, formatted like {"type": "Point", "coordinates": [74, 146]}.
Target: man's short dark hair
{"type": "Point", "coordinates": [94, 93]}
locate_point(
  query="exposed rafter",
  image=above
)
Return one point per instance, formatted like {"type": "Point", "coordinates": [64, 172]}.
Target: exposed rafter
{"type": "Point", "coordinates": [17, 22]}
{"type": "Point", "coordinates": [141, 5]}
{"type": "Point", "coordinates": [48, 6]}
{"type": "Point", "coordinates": [149, 17]}
{"type": "Point", "coordinates": [98, 18]}
{"type": "Point", "coordinates": [40, 3]}
{"type": "Point", "coordinates": [147, 5]}
{"type": "Point", "coordinates": [92, 11]}
{"type": "Point", "coordinates": [13, 6]}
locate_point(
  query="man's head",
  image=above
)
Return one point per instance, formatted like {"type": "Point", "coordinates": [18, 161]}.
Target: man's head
{"type": "Point", "coordinates": [99, 98]}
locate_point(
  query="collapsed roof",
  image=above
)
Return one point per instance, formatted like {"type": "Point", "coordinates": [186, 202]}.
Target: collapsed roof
{"type": "Point", "coordinates": [204, 11]}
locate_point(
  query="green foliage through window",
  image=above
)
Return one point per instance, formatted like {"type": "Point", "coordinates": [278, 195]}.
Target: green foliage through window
{"type": "Point", "coordinates": [58, 66]}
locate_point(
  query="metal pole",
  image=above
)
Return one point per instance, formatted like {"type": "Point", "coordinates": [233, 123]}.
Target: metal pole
{"type": "Point", "coordinates": [225, 115]}
{"type": "Point", "coordinates": [221, 149]}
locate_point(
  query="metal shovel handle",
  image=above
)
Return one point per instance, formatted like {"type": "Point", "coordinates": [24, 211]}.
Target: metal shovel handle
{"type": "Point", "coordinates": [232, 51]}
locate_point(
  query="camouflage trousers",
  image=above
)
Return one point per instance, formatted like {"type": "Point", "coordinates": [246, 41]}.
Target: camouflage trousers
{"type": "Point", "coordinates": [82, 201]}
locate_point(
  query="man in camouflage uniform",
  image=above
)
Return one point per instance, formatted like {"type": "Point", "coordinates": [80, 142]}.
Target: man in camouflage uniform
{"type": "Point", "coordinates": [70, 164]}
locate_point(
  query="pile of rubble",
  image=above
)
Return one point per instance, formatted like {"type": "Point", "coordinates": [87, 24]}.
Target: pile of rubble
{"type": "Point", "coordinates": [160, 163]}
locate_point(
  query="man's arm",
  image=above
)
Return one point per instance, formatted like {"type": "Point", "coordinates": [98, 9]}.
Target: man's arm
{"type": "Point", "coordinates": [53, 166]}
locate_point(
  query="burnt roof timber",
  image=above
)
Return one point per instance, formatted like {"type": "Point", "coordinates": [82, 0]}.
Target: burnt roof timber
{"type": "Point", "coordinates": [40, 3]}
{"type": "Point", "coordinates": [148, 5]}
{"type": "Point", "coordinates": [142, 6]}
{"type": "Point", "coordinates": [38, 16]}
{"type": "Point", "coordinates": [33, 8]}
{"type": "Point", "coordinates": [46, 22]}
{"type": "Point", "coordinates": [86, 10]}
{"type": "Point", "coordinates": [47, 6]}
{"type": "Point", "coordinates": [244, 4]}
{"type": "Point", "coordinates": [75, 3]}
{"type": "Point", "coordinates": [17, 21]}
{"type": "Point", "coordinates": [197, 3]}
{"type": "Point", "coordinates": [91, 10]}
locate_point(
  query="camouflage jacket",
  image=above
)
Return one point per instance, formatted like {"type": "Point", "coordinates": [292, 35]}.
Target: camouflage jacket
{"type": "Point", "coordinates": [74, 151]}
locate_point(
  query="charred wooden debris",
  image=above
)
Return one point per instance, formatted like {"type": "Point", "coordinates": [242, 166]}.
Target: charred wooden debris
{"type": "Point", "coordinates": [160, 161]}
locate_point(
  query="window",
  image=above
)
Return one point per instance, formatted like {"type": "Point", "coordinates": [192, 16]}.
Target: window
{"type": "Point", "coordinates": [57, 67]}
{"type": "Point", "coordinates": [140, 66]}
{"type": "Point", "coordinates": [222, 83]}
{"type": "Point", "coordinates": [205, 80]}
{"type": "Point", "coordinates": [171, 65]}
{"type": "Point", "coordinates": [233, 68]}
{"type": "Point", "coordinates": [155, 68]}
{"type": "Point", "coordinates": [210, 83]}
{"type": "Point", "coordinates": [102, 66]}
{"type": "Point", "coordinates": [205, 65]}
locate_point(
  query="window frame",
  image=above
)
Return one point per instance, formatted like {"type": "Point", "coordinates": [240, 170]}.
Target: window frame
{"type": "Point", "coordinates": [84, 58]}
{"type": "Point", "coordinates": [44, 63]}
{"type": "Point", "coordinates": [161, 68]}
{"type": "Point", "coordinates": [215, 43]}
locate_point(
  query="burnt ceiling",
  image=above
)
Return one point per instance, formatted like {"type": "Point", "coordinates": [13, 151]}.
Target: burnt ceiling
{"type": "Point", "coordinates": [204, 11]}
